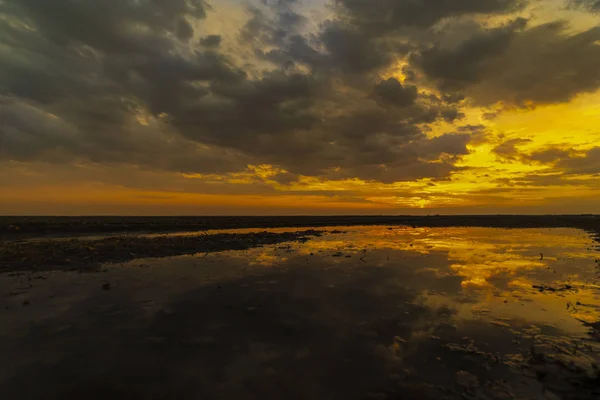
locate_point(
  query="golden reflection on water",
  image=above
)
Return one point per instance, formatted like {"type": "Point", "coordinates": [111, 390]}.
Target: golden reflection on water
{"type": "Point", "coordinates": [466, 269]}
{"type": "Point", "coordinates": [497, 268]}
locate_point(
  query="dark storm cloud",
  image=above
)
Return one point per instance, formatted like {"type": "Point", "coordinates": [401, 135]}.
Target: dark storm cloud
{"type": "Point", "coordinates": [109, 25]}
{"type": "Point", "coordinates": [98, 49]}
{"type": "Point", "coordinates": [123, 82]}
{"type": "Point", "coordinates": [549, 156]}
{"type": "Point", "coordinates": [364, 36]}
{"type": "Point", "coordinates": [455, 68]}
{"type": "Point", "coordinates": [452, 114]}
{"type": "Point", "coordinates": [30, 134]}
{"type": "Point", "coordinates": [388, 15]}
{"type": "Point", "coordinates": [26, 132]}
{"type": "Point", "coordinates": [487, 64]}
{"type": "Point", "coordinates": [392, 92]}
{"type": "Point", "coordinates": [546, 64]}
{"type": "Point", "coordinates": [351, 51]}
{"type": "Point", "coordinates": [242, 114]}
{"type": "Point", "coordinates": [272, 25]}
{"type": "Point", "coordinates": [387, 153]}
{"type": "Point", "coordinates": [566, 163]}
{"type": "Point", "coordinates": [565, 159]}
{"type": "Point", "coordinates": [363, 126]}
{"type": "Point", "coordinates": [338, 48]}
{"type": "Point", "coordinates": [75, 82]}
{"type": "Point", "coordinates": [587, 163]}
{"type": "Point", "coordinates": [358, 41]}
{"type": "Point", "coordinates": [509, 149]}
{"type": "Point", "coordinates": [431, 108]}
{"type": "Point", "coordinates": [543, 64]}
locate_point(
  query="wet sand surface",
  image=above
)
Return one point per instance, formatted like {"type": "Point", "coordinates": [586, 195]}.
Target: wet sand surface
{"type": "Point", "coordinates": [356, 313]}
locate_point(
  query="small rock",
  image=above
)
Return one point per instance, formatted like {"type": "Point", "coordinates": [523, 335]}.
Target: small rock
{"type": "Point", "coordinates": [106, 286]}
{"type": "Point", "coordinates": [26, 303]}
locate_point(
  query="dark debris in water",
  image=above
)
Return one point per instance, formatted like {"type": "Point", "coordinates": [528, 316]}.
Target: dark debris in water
{"type": "Point", "coordinates": [547, 288]}
{"type": "Point", "coordinates": [595, 329]}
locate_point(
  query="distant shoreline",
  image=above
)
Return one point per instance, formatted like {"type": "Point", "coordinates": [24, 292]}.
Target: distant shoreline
{"type": "Point", "coordinates": [15, 228]}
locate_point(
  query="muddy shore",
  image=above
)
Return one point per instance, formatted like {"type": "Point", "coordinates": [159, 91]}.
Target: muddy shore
{"type": "Point", "coordinates": [85, 255]}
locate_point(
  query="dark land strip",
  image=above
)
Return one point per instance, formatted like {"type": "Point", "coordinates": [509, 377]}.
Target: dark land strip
{"type": "Point", "coordinates": [14, 228]}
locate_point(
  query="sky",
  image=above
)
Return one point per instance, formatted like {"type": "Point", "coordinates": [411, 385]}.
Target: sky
{"type": "Point", "coordinates": [193, 107]}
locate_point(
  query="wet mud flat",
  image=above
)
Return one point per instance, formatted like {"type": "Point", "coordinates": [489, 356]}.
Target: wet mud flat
{"type": "Point", "coordinates": [381, 312]}
{"type": "Point", "coordinates": [90, 253]}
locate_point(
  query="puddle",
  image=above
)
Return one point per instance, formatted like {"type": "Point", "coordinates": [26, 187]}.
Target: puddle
{"type": "Point", "coordinates": [358, 313]}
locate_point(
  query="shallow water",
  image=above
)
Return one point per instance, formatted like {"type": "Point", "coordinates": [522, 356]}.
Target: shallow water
{"type": "Point", "coordinates": [367, 313]}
